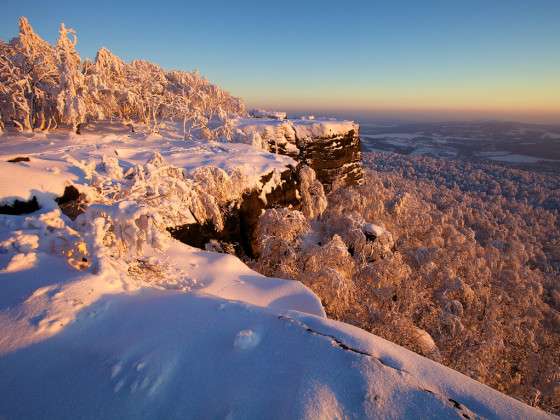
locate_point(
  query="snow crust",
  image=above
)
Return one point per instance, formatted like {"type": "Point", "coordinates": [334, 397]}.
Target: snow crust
{"type": "Point", "coordinates": [106, 316]}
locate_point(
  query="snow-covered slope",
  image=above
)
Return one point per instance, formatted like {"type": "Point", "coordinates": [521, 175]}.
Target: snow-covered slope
{"type": "Point", "coordinates": [160, 354]}
{"type": "Point", "coordinates": [108, 317]}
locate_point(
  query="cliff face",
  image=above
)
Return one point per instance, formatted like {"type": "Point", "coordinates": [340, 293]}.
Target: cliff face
{"type": "Point", "coordinates": [336, 160]}
{"type": "Point", "coordinates": [331, 148]}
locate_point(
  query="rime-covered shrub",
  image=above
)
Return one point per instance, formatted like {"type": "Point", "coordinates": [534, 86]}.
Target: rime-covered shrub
{"type": "Point", "coordinates": [313, 200]}
{"type": "Point", "coordinates": [222, 186]}
{"type": "Point", "coordinates": [133, 210]}
{"type": "Point", "coordinates": [328, 270]}
{"type": "Point", "coordinates": [278, 241]}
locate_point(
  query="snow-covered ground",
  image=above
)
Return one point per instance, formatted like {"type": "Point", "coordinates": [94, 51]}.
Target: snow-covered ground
{"type": "Point", "coordinates": [106, 316]}
{"type": "Point", "coordinates": [61, 157]}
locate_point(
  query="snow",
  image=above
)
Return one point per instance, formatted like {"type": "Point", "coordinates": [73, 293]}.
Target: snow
{"type": "Point", "coordinates": [43, 178]}
{"type": "Point", "coordinates": [374, 229]}
{"type": "Point", "coordinates": [304, 128]}
{"type": "Point", "coordinates": [159, 354]}
{"type": "Point", "coordinates": [246, 340]}
{"type": "Point", "coordinates": [107, 316]}
{"type": "Point", "coordinates": [263, 113]}
{"type": "Point", "coordinates": [315, 128]}
{"type": "Point", "coordinates": [287, 133]}
{"type": "Point", "coordinates": [551, 135]}
{"type": "Point", "coordinates": [57, 160]}
{"type": "Point", "coordinates": [504, 156]}
{"type": "Point", "coordinates": [401, 137]}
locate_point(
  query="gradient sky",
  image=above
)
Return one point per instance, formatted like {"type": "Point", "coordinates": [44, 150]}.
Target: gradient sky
{"type": "Point", "coordinates": [431, 59]}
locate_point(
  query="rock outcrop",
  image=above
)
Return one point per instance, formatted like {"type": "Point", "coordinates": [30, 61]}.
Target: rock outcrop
{"type": "Point", "coordinates": [337, 160]}
{"type": "Point", "coordinates": [331, 148]}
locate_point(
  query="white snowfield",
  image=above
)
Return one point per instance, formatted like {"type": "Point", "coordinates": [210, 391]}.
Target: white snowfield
{"type": "Point", "coordinates": [108, 317]}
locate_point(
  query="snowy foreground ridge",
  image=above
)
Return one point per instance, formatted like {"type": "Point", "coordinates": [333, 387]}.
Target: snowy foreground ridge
{"type": "Point", "coordinates": [106, 316]}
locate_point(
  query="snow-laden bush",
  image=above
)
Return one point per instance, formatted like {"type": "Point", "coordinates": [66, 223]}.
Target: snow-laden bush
{"type": "Point", "coordinates": [125, 228]}
{"type": "Point", "coordinates": [313, 200]}
{"type": "Point", "coordinates": [270, 137]}
{"type": "Point", "coordinates": [277, 241]}
{"type": "Point", "coordinates": [130, 212]}
{"type": "Point", "coordinates": [328, 270]}
{"type": "Point", "coordinates": [219, 184]}
{"type": "Point", "coordinates": [158, 185]}
{"type": "Point", "coordinates": [46, 232]}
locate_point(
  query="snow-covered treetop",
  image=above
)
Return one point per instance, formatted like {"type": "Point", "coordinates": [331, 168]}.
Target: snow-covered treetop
{"type": "Point", "coordinates": [43, 86]}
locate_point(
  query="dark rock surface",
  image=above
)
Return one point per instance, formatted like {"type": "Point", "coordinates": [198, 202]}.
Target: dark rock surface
{"type": "Point", "coordinates": [72, 203]}
{"type": "Point", "coordinates": [240, 218]}
{"type": "Point", "coordinates": [336, 160]}
{"type": "Point", "coordinates": [20, 207]}
{"type": "Point", "coordinates": [19, 159]}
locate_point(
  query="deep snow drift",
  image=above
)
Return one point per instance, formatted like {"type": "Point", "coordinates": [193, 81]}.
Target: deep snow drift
{"type": "Point", "coordinates": [106, 316]}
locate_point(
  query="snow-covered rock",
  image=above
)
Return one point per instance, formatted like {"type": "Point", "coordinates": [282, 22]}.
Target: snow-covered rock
{"type": "Point", "coordinates": [263, 113]}
{"type": "Point", "coordinates": [330, 147]}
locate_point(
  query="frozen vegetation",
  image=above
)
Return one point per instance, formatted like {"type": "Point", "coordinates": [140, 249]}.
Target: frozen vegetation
{"type": "Point", "coordinates": [456, 261]}
{"type": "Point", "coordinates": [43, 87]}
{"type": "Point", "coordinates": [103, 314]}
{"type": "Point", "coordinates": [534, 147]}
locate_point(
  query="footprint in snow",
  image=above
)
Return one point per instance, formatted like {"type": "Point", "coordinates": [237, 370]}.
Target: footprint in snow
{"type": "Point", "coordinates": [246, 340]}
{"type": "Point", "coordinates": [135, 377]}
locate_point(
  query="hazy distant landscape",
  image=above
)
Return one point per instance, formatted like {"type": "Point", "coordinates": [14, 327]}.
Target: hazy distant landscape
{"type": "Point", "coordinates": [520, 145]}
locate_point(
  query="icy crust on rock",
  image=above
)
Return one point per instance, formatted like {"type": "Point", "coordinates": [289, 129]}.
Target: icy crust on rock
{"type": "Point", "coordinates": [313, 129]}
{"type": "Point", "coordinates": [303, 128]}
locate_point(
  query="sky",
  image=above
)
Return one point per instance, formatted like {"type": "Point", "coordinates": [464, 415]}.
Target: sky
{"type": "Point", "coordinates": [422, 59]}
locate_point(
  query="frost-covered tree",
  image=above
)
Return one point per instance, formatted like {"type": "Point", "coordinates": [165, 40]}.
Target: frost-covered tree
{"type": "Point", "coordinates": [72, 89]}
{"type": "Point", "coordinates": [43, 86]}
{"type": "Point", "coordinates": [147, 84]}
{"type": "Point", "coordinates": [454, 260]}
{"type": "Point", "coordinates": [107, 79]}
{"type": "Point", "coordinates": [29, 78]}
{"type": "Point", "coordinates": [14, 91]}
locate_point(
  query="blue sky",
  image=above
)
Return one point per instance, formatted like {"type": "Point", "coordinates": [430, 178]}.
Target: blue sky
{"type": "Point", "coordinates": [402, 56]}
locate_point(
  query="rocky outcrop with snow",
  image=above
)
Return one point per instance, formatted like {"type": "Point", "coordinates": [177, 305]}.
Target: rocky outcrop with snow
{"type": "Point", "coordinates": [330, 147]}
